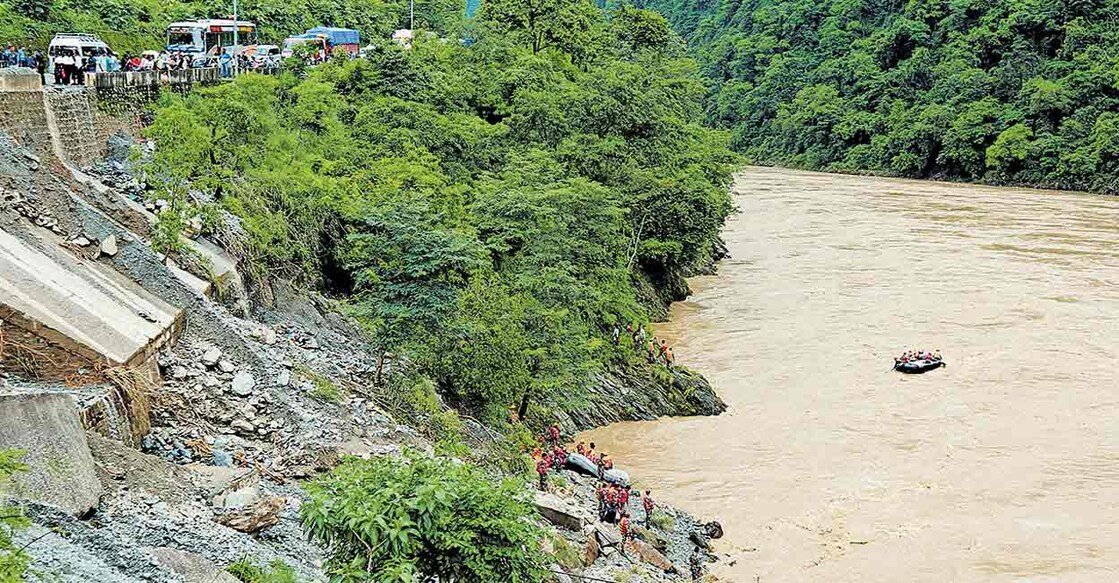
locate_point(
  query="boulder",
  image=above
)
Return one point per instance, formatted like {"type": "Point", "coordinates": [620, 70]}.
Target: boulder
{"type": "Point", "coordinates": [657, 541]}
{"type": "Point", "coordinates": [61, 469]}
{"type": "Point", "coordinates": [608, 536]}
{"type": "Point", "coordinates": [255, 518]}
{"type": "Point", "coordinates": [109, 246]}
{"type": "Point", "coordinates": [559, 512]}
{"type": "Point", "coordinates": [590, 554]}
{"type": "Point", "coordinates": [558, 574]}
{"type": "Point", "coordinates": [243, 383]}
{"type": "Point", "coordinates": [238, 498]}
{"type": "Point", "coordinates": [650, 555]}
{"type": "Point", "coordinates": [211, 357]}
{"type": "Point", "coordinates": [193, 568]}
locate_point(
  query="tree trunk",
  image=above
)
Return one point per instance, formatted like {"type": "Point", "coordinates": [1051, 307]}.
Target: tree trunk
{"type": "Point", "coordinates": [380, 368]}
{"type": "Point", "coordinates": [523, 409]}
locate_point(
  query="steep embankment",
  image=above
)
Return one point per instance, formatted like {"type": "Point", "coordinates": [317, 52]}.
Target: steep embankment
{"type": "Point", "coordinates": [999, 92]}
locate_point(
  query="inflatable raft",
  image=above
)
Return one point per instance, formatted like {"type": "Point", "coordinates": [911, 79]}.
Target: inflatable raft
{"type": "Point", "coordinates": [918, 366]}
{"type": "Point", "coordinates": [583, 465]}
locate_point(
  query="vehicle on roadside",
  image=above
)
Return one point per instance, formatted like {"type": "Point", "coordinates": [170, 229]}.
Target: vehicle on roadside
{"type": "Point", "coordinates": [206, 36]}
{"type": "Point", "coordinates": [263, 56]}
{"type": "Point", "coordinates": [76, 45]}
{"type": "Point", "coordinates": [325, 42]}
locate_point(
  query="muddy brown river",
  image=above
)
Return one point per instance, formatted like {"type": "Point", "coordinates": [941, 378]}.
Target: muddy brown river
{"type": "Point", "coordinates": [1004, 466]}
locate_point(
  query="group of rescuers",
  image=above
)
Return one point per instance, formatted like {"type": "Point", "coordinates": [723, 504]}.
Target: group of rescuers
{"type": "Point", "coordinates": [656, 350]}
{"type": "Point", "coordinates": [613, 499]}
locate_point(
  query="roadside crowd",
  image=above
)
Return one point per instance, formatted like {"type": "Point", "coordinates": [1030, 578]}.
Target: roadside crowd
{"type": "Point", "coordinates": [22, 57]}
{"type": "Point", "coordinates": [71, 65]}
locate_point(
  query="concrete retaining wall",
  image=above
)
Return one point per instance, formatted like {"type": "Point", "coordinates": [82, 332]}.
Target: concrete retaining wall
{"type": "Point", "coordinates": [22, 115]}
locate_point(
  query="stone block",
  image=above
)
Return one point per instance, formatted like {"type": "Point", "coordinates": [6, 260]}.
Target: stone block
{"type": "Point", "coordinates": [61, 472]}
{"type": "Point", "coordinates": [557, 511]}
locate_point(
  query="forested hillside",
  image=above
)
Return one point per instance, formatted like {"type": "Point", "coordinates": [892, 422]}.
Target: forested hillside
{"type": "Point", "coordinates": [1021, 91]}
{"type": "Point", "coordinates": [488, 212]}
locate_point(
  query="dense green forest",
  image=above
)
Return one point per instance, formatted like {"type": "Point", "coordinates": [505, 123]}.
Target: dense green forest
{"type": "Point", "coordinates": [487, 211]}
{"type": "Point", "coordinates": [1005, 91]}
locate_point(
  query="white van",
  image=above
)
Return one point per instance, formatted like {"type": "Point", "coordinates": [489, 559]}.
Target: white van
{"type": "Point", "coordinates": [83, 45]}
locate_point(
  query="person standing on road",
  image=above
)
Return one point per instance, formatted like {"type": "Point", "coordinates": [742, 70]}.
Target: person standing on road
{"type": "Point", "coordinates": [224, 59]}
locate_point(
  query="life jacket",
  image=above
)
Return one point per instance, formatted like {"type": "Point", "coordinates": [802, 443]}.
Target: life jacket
{"type": "Point", "coordinates": [648, 503]}
{"type": "Point", "coordinates": [541, 467]}
{"type": "Point", "coordinates": [624, 526]}
{"type": "Point", "coordinates": [623, 497]}
{"type": "Point", "coordinates": [581, 449]}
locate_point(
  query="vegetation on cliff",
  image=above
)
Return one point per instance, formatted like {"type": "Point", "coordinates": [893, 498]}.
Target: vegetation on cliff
{"type": "Point", "coordinates": [487, 211]}
{"type": "Point", "coordinates": [1016, 92]}
{"type": "Point", "coordinates": [422, 518]}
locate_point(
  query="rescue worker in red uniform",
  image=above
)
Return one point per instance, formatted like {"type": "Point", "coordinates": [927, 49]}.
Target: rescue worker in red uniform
{"type": "Point", "coordinates": [648, 504]}
{"type": "Point", "coordinates": [542, 469]}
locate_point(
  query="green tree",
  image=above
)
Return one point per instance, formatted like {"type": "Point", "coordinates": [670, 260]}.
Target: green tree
{"type": "Point", "coordinates": [422, 519]}
{"type": "Point", "coordinates": [407, 272]}
{"type": "Point", "coordinates": [1010, 149]}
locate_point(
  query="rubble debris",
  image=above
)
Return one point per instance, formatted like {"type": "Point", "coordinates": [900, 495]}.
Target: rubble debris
{"type": "Point", "coordinates": [256, 517]}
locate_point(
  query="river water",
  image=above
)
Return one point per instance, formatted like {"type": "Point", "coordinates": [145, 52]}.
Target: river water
{"type": "Point", "coordinates": [1004, 466]}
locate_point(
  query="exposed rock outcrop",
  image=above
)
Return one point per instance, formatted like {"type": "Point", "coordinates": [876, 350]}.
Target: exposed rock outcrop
{"type": "Point", "coordinates": [644, 393]}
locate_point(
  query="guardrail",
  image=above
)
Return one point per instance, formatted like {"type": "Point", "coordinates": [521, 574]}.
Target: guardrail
{"type": "Point", "coordinates": [117, 79]}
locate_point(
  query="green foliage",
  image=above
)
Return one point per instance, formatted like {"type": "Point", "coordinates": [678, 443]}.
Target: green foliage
{"type": "Point", "coordinates": [325, 390]}
{"type": "Point", "coordinates": [999, 91]}
{"type": "Point", "coordinates": [276, 572]}
{"type": "Point", "coordinates": [14, 562]}
{"type": "Point", "coordinates": [418, 518]}
{"type": "Point", "coordinates": [567, 554]}
{"type": "Point", "coordinates": [482, 210]}
{"type": "Point", "coordinates": [662, 521]}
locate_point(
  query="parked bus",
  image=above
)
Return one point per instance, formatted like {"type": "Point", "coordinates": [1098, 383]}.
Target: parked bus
{"type": "Point", "coordinates": [206, 36]}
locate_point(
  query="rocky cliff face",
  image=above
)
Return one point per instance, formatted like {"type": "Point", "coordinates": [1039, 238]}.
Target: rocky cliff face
{"type": "Point", "coordinates": [640, 393]}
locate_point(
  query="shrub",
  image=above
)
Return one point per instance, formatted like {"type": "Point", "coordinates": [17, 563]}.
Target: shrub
{"type": "Point", "coordinates": [13, 561]}
{"type": "Point", "coordinates": [421, 518]}
{"type": "Point", "coordinates": [276, 572]}
{"type": "Point", "coordinates": [663, 521]}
